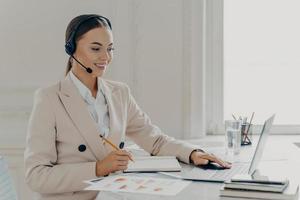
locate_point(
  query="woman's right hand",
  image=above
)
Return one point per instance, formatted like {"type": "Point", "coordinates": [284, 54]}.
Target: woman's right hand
{"type": "Point", "coordinates": [115, 161]}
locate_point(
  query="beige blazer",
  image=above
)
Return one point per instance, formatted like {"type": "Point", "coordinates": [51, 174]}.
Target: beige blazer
{"type": "Point", "coordinates": [63, 144]}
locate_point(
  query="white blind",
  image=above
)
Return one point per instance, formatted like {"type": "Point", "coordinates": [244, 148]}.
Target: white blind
{"type": "Point", "coordinates": [262, 59]}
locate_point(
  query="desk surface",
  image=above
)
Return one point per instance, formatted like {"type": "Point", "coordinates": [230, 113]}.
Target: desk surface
{"type": "Point", "coordinates": [280, 152]}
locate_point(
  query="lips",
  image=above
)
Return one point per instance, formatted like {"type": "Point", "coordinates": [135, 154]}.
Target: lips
{"type": "Point", "coordinates": [100, 65]}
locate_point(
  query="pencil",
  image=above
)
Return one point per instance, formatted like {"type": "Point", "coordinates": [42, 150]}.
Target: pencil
{"type": "Point", "coordinates": [233, 116]}
{"type": "Point", "coordinates": [250, 122]}
{"type": "Point", "coordinates": [114, 146]}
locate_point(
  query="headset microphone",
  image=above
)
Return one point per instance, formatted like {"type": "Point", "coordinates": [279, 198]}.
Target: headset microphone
{"type": "Point", "coordinates": [89, 70]}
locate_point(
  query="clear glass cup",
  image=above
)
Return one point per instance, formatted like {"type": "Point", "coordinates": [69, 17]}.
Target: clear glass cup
{"type": "Point", "coordinates": [233, 137]}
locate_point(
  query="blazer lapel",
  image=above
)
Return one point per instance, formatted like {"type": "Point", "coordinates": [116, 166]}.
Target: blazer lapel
{"type": "Point", "coordinates": [115, 134]}
{"type": "Point", "coordinates": [78, 112]}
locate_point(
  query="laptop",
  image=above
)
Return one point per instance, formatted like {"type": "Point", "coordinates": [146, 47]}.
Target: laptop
{"type": "Point", "coordinates": [213, 175]}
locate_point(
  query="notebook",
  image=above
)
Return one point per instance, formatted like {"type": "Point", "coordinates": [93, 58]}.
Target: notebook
{"type": "Point", "coordinates": [154, 164]}
{"type": "Point", "coordinates": [266, 186]}
{"type": "Point", "coordinates": [290, 193]}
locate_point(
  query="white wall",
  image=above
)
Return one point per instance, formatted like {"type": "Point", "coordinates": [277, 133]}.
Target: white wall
{"type": "Point", "coordinates": [151, 54]}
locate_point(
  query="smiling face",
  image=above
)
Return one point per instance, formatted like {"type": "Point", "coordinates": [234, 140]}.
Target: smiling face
{"type": "Point", "coordinates": [94, 50]}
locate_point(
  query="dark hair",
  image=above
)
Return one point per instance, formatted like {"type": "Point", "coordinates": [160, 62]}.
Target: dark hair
{"type": "Point", "coordinates": [81, 25]}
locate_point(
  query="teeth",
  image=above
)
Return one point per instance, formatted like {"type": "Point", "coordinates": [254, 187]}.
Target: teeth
{"type": "Point", "coordinates": [99, 65]}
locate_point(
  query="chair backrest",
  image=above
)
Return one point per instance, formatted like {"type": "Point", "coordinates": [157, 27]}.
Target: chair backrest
{"type": "Point", "coordinates": [7, 189]}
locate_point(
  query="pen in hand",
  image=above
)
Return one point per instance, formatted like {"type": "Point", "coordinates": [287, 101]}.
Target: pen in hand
{"type": "Point", "coordinates": [114, 146]}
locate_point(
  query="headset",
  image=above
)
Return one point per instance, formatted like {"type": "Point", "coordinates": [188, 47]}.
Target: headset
{"type": "Point", "coordinates": [70, 45]}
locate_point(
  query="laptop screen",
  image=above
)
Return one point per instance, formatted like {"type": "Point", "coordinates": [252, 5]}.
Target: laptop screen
{"type": "Point", "coordinates": [261, 144]}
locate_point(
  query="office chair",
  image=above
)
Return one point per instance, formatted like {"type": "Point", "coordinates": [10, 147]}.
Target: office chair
{"type": "Point", "coordinates": [7, 190]}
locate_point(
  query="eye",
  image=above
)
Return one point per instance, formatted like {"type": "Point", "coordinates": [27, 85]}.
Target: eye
{"type": "Point", "coordinates": [95, 48]}
{"type": "Point", "coordinates": [110, 49]}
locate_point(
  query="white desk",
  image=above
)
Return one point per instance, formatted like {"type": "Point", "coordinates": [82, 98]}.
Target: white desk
{"type": "Point", "coordinates": [279, 152]}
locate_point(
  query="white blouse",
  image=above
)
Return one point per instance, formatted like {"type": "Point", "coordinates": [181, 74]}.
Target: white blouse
{"type": "Point", "coordinates": [97, 107]}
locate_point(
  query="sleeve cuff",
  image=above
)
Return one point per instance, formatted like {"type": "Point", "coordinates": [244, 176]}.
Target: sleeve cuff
{"type": "Point", "coordinates": [186, 152]}
{"type": "Point", "coordinates": [190, 157]}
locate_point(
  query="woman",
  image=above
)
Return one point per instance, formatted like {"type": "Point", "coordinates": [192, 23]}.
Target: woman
{"type": "Point", "coordinates": [63, 144]}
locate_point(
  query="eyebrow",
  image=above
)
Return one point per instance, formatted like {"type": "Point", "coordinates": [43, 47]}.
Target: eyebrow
{"type": "Point", "coordinates": [101, 44]}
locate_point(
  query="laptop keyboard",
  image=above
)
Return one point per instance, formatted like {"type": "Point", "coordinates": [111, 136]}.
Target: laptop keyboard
{"type": "Point", "coordinates": [197, 173]}
{"type": "Point", "coordinates": [237, 168]}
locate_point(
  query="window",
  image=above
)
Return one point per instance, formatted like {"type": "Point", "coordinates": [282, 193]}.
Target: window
{"type": "Point", "coordinates": [262, 61]}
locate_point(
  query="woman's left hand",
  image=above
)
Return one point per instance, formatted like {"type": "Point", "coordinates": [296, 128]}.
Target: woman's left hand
{"type": "Point", "coordinates": [202, 158]}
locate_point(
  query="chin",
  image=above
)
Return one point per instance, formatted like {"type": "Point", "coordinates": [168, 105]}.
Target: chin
{"type": "Point", "coordinates": [97, 72]}
{"type": "Point", "coordinates": [100, 74]}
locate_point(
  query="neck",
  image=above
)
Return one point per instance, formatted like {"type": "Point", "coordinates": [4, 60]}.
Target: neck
{"type": "Point", "coordinates": [87, 79]}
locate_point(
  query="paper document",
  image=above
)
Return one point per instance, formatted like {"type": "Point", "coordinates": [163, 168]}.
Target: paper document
{"type": "Point", "coordinates": [154, 164]}
{"type": "Point", "coordinates": [136, 184]}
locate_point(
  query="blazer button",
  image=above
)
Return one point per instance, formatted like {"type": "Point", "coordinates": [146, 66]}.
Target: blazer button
{"type": "Point", "coordinates": [82, 148]}
{"type": "Point", "coordinates": [121, 145]}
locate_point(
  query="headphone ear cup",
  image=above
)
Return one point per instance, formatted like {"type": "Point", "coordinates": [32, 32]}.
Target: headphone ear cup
{"type": "Point", "coordinates": [69, 48]}
{"type": "Point", "coordinates": [70, 45]}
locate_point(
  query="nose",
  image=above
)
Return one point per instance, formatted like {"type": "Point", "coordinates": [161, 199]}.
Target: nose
{"type": "Point", "coordinates": [104, 55]}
